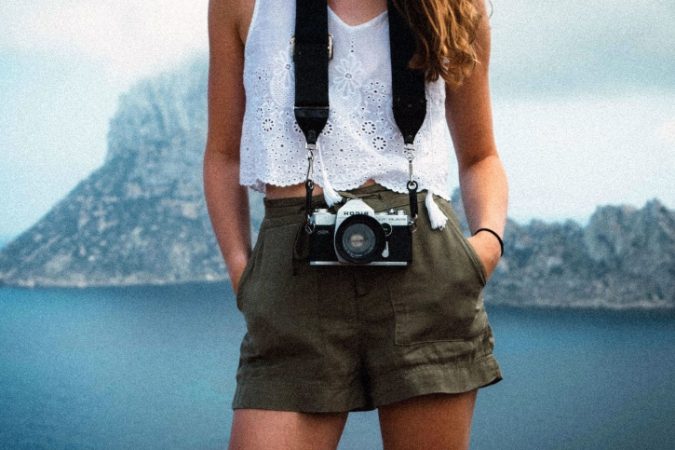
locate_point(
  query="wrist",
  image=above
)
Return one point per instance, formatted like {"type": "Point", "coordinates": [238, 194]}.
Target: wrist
{"type": "Point", "coordinates": [497, 240]}
{"type": "Point", "coordinates": [237, 264]}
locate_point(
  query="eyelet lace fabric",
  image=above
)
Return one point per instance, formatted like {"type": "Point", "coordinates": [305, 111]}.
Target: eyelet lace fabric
{"type": "Point", "coordinates": [361, 139]}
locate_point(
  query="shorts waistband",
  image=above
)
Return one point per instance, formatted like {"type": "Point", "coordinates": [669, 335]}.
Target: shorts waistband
{"type": "Point", "coordinates": [286, 206]}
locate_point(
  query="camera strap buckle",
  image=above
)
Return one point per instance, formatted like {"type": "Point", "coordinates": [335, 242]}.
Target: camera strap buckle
{"type": "Point", "coordinates": [310, 160]}
{"type": "Point", "coordinates": [329, 47]}
{"type": "Point", "coordinates": [309, 187]}
{"type": "Point", "coordinates": [409, 150]}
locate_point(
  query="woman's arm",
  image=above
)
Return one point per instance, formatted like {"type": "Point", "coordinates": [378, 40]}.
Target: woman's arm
{"type": "Point", "coordinates": [481, 174]}
{"type": "Point", "coordinates": [226, 200]}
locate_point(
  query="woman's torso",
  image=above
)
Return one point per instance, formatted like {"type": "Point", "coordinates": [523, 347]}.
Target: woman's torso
{"type": "Point", "coordinates": [349, 15]}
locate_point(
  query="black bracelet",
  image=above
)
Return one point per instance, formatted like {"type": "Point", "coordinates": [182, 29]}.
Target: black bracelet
{"type": "Point", "coordinates": [501, 243]}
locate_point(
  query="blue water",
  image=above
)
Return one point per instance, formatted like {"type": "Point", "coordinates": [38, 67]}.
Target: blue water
{"type": "Point", "coordinates": [154, 368]}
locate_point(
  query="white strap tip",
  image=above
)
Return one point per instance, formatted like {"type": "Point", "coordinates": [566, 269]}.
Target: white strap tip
{"type": "Point", "coordinates": [436, 216]}
{"type": "Point", "coordinates": [330, 195]}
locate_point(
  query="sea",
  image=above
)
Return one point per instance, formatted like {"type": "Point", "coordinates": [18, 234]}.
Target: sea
{"type": "Point", "coordinates": [154, 368]}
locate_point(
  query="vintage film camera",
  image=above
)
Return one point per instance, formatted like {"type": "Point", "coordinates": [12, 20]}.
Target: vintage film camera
{"type": "Point", "coordinates": [356, 235]}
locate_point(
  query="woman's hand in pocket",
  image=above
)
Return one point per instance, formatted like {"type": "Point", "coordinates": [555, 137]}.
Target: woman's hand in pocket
{"type": "Point", "coordinates": [488, 250]}
{"type": "Point", "coordinates": [235, 272]}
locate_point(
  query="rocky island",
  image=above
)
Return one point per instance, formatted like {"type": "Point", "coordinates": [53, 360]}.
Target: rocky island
{"type": "Point", "coordinates": [141, 219]}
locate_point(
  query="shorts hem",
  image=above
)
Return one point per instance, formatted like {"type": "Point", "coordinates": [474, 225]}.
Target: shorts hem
{"type": "Point", "coordinates": [297, 397]}
{"type": "Point", "coordinates": [436, 379]}
{"type": "Point", "coordinates": [397, 386]}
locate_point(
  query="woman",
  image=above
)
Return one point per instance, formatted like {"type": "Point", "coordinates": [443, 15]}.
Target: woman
{"type": "Point", "coordinates": [323, 341]}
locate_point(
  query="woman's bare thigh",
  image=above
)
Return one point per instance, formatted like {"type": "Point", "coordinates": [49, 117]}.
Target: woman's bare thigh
{"type": "Point", "coordinates": [431, 422]}
{"type": "Point", "coordinates": [257, 429]}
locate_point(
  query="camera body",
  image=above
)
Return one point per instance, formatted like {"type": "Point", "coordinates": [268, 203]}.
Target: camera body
{"type": "Point", "coordinates": [356, 235]}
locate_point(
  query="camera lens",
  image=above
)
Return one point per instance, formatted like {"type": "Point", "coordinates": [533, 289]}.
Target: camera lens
{"type": "Point", "coordinates": [359, 239]}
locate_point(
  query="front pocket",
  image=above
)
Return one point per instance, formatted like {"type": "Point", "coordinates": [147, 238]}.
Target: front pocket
{"type": "Point", "coordinates": [471, 254]}
{"type": "Point", "coordinates": [242, 282]}
{"type": "Point", "coordinates": [248, 269]}
{"type": "Point", "coordinates": [281, 312]}
{"type": "Point", "coordinates": [438, 297]}
{"type": "Point", "coordinates": [469, 250]}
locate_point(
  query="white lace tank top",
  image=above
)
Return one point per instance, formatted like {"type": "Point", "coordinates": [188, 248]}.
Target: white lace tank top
{"type": "Point", "coordinates": [361, 139]}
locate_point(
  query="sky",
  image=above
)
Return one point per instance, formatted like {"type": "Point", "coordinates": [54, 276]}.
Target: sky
{"type": "Point", "coordinates": [583, 96]}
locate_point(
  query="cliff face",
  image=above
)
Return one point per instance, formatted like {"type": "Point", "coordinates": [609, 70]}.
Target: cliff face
{"type": "Point", "coordinates": [141, 219]}
{"type": "Point", "coordinates": [623, 258]}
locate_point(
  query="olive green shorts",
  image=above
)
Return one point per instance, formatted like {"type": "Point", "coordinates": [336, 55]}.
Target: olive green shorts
{"type": "Point", "coordinates": [352, 338]}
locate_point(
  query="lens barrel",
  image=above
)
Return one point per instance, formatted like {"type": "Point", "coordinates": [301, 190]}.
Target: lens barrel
{"type": "Point", "coordinates": [359, 239]}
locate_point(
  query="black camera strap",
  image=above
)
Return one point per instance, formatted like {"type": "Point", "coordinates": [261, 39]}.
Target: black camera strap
{"type": "Point", "coordinates": [312, 49]}
{"type": "Point", "coordinates": [310, 56]}
{"type": "Point", "coordinates": [409, 100]}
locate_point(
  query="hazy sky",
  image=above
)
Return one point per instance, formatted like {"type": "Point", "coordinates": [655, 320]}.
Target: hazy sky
{"type": "Point", "coordinates": [584, 96]}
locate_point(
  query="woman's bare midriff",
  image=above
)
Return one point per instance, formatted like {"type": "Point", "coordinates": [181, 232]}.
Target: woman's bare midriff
{"type": "Point", "coordinates": [297, 190]}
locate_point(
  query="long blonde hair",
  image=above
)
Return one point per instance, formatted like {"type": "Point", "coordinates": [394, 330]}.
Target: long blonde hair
{"type": "Point", "coordinates": [446, 32]}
